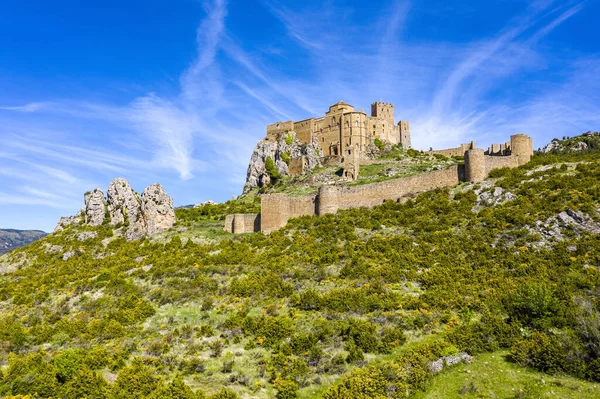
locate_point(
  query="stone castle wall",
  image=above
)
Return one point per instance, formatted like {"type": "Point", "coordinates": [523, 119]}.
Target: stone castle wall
{"type": "Point", "coordinates": [454, 152]}
{"type": "Point", "coordinates": [496, 162]}
{"type": "Point", "coordinates": [277, 209]}
{"type": "Point", "coordinates": [242, 223]}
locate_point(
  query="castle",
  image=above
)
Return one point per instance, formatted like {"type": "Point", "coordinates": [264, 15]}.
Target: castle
{"type": "Point", "coordinates": [345, 134]}
{"type": "Point", "coordinates": [343, 128]}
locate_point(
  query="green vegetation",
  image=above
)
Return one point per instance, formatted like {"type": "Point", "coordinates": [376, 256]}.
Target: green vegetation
{"type": "Point", "coordinates": [272, 170]}
{"type": "Point", "coordinates": [356, 304]}
{"type": "Point", "coordinates": [493, 376]}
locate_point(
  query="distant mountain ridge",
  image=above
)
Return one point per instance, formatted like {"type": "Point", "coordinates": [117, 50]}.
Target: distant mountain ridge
{"type": "Point", "coordinates": [11, 239]}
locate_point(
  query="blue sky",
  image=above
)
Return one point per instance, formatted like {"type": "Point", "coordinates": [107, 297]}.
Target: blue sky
{"type": "Point", "coordinates": [180, 91]}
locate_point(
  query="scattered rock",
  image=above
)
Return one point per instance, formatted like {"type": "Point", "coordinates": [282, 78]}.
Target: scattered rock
{"type": "Point", "coordinates": [68, 255]}
{"type": "Point", "coordinates": [86, 235]}
{"type": "Point", "coordinates": [446, 361]}
{"type": "Point", "coordinates": [68, 220]}
{"type": "Point", "coordinates": [552, 229]}
{"type": "Point", "coordinates": [486, 197]}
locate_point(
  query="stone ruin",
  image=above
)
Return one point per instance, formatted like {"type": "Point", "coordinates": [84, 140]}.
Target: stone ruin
{"type": "Point", "coordinates": [145, 215]}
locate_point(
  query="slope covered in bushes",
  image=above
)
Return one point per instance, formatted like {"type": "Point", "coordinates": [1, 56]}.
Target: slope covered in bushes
{"type": "Point", "coordinates": [365, 303]}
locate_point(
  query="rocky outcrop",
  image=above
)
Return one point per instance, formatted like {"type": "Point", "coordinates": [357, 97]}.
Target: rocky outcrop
{"type": "Point", "coordinates": [137, 215]}
{"type": "Point", "coordinates": [487, 197]}
{"type": "Point", "coordinates": [124, 203]}
{"type": "Point", "coordinates": [95, 207]}
{"type": "Point", "coordinates": [583, 142]}
{"type": "Point", "coordinates": [125, 208]}
{"type": "Point", "coordinates": [554, 228]}
{"type": "Point", "coordinates": [157, 208]}
{"type": "Point", "coordinates": [288, 148]}
{"type": "Point", "coordinates": [68, 220]}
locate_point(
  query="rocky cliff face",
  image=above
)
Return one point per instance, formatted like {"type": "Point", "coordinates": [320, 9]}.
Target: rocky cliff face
{"type": "Point", "coordinates": [145, 215]}
{"type": "Point", "coordinates": [283, 151]}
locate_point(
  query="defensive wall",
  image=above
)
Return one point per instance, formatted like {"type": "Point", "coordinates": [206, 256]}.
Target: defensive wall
{"type": "Point", "coordinates": [277, 209]}
{"type": "Point", "coordinates": [454, 152]}
{"type": "Point", "coordinates": [242, 223]}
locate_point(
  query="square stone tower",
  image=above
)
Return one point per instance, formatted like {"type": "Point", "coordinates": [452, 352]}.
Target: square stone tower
{"type": "Point", "coordinates": [383, 111]}
{"type": "Point", "coordinates": [404, 134]}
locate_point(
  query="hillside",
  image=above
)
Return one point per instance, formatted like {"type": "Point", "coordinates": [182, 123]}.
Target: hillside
{"type": "Point", "coordinates": [479, 290]}
{"type": "Point", "coordinates": [11, 239]}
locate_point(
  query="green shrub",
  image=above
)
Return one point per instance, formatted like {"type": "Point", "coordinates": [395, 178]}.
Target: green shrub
{"type": "Point", "coordinates": [535, 305]}
{"type": "Point", "coordinates": [285, 157]}
{"type": "Point", "coordinates": [271, 169]}
{"type": "Point", "coordinates": [67, 363]}
{"type": "Point", "coordinates": [542, 352]}
{"type": "Point", "coordinates": [224, 394]}
{"type": "Point", "coordinates": [30, 374]}
{"type": "Point", "coordinates": [135, 381]}
{"type": "Point", "coordinates": [85, 384]}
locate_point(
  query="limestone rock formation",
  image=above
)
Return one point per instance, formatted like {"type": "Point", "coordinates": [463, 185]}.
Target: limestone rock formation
{"type": "Point", "coordinates": [95, 207]}
{"type": "Point", "coordinates": [124, 203]}
{"type": "Point", "coordinates": [142, 216]}
{"type": "Point", "coordinates": [287, 148]}
{"type": "Point", "coordinates": [157, 208]}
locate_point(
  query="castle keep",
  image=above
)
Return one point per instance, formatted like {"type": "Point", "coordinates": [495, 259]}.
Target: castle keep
{"type": "Point", "coordinates": [343, 127]}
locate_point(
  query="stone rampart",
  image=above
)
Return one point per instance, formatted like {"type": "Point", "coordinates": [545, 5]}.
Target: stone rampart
{"type": "Point", "coordinates": [242, 223]}
{"type": "Point", "coordinates": [277, 209]}
{"type": "Point", "coordinates": [454, 152]}
{"type": "Point", "coordinates": [496, 162]}
{"type": "Point", "coordinates": [333, 198]}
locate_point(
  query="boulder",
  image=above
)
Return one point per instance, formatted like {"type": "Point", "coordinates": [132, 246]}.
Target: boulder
{"type": "Point", "coordinates": [157, 209]}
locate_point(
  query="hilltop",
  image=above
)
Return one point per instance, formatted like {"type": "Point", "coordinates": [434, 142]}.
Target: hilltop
{"type": "Point", "coordinates": [11, 239]}
{"type": "Point", "coordinates": [464, 291]}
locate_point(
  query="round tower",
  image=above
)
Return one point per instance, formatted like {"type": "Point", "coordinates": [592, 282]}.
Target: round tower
{"type": "Point", "coordinates": [328, 200]}
{"type": "Point", "coordinates": [520, 145]}
{"type": "Point", "coordinates": [474, 165]}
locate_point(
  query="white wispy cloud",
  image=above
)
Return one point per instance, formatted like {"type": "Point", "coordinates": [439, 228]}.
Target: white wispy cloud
{"type": "Point", "coordinates": [31, 107]}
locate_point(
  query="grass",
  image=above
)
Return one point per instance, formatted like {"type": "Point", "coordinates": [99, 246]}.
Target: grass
{"type": "Point", "coordinates": [492, 376]}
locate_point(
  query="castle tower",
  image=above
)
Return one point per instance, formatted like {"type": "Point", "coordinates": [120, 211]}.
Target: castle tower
{"type": "Point", "coordinates": [383, 111]}
{"type": "Point", "coordinates": [328, 200]}
{"type": "Point", "coordinates": [404, 134]}
{"type": "Point", "coordinates": [351, 163]}
{"type": "Point", "coordinates": [474, 165]}
{"type": "Point", "coordinates": [521, 146]}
